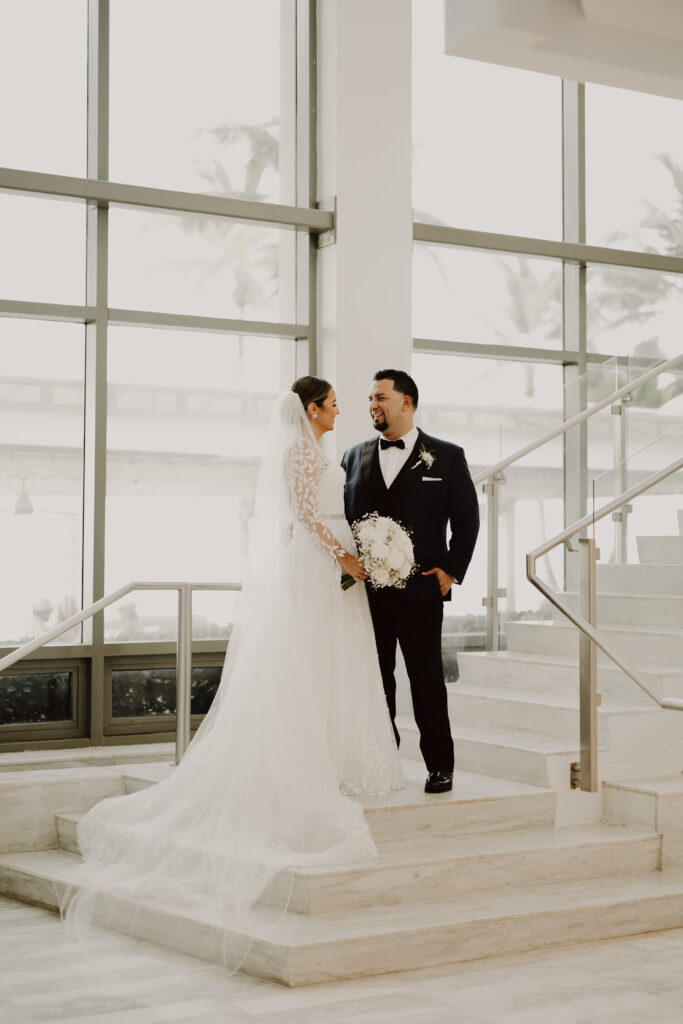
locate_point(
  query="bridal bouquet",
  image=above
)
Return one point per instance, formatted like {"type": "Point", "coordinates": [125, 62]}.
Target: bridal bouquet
{"type": "Point", "coordinates": [386, 551]}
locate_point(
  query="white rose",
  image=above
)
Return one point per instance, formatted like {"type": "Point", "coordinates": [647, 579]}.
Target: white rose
{"type": "Point", "coordinates": [365, 534]}
{"type": "Point", "coordinates": [395, 559]}
{"type": "Point", "coordinates": [404, 570]}
{"type": "Point", "coordinates": [380, 551]}
{"type": "Point", "coordinates": [381, 577]}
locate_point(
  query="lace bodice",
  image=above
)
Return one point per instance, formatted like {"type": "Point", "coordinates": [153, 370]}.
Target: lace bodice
{"type": "Point", "coordinates": [316, 489]}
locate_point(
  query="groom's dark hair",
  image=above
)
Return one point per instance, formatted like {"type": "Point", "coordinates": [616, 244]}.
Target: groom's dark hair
{"type": "Point", "coordinates": [403, 382]}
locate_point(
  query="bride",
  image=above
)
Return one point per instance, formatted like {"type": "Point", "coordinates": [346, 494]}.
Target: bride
{"type": "Point", "coordinates": [299, 724]}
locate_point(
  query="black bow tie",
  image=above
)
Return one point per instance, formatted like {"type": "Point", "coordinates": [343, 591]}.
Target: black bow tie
{"type": "Point", "coordinates": [383, 443]}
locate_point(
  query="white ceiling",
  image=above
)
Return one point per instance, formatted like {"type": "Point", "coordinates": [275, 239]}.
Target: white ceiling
{"type": "Point", "coordinates": [632, 44]}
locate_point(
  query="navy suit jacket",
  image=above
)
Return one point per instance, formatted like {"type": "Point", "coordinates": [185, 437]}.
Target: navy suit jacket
{"type": "Point", "coordinates": [424, 499]}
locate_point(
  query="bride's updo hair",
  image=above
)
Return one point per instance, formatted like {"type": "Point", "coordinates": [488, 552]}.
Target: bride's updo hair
{"type": "Point", "coordinates": [311, 389]}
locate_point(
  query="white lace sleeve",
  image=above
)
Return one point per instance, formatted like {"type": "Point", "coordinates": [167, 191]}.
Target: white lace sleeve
{"type": "Point", "coordinates": [304, 464]}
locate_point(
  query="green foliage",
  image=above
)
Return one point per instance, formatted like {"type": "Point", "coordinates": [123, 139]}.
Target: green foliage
{"type": "Point", "coordinates": [150, 693]}
{"type": "Point", "coordinates": [35, 697]}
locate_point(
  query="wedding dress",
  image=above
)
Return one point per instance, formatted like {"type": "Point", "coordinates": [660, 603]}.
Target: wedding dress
{"type": "Point", "coordinates": [298, 727]}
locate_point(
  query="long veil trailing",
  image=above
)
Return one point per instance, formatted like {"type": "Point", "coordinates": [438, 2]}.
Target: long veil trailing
{"type": "Point", "coordinates": [257, 792]}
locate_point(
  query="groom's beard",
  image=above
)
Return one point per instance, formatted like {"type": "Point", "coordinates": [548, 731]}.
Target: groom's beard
{"type": "Point", "coordinates": [379, 423]}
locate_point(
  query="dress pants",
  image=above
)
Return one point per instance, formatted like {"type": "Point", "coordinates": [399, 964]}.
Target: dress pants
{"type": "Point", "coordinates": [416, 626]}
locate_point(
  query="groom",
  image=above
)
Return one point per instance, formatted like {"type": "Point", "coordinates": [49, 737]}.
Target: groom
{"type": "Point", "coordinates": [424, 484]}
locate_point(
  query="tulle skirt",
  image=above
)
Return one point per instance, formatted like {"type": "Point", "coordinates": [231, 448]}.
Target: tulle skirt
{"type": "Point", "coordinates": [298, 728]}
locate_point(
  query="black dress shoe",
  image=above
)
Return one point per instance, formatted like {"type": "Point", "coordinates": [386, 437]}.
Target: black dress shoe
{"type": "Point", "coordinates": [439, 782]}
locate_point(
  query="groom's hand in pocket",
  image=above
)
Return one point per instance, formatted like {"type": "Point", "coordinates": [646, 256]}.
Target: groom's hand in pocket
{"type": "Point", "coordinates": [445, 581]}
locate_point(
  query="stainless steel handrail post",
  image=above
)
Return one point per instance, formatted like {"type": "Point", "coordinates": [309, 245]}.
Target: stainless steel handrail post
{"type": "Point", "coordinates": [620, 517]}
{"type": "Point", "coordinates": [494, 592]}
{"type": "Point", "coordinates": [589, 698]}
{"type": "Point", "coordinates": [582, 617]}
{"type": "Point", "coordinates": [183, 671]}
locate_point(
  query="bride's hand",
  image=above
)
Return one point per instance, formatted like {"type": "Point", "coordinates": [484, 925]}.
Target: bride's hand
{"type": "Point", "coordinates": [353, 566]}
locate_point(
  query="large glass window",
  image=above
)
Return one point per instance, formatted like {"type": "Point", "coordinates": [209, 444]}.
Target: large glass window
{"type": "Point", "coordinates": [42, 249]}
{"type": "Point", "coordinates": [492, 408]}
{"type": "Point", "coordinates": [487, 140]}
{"type": "Point", "coordinates": [202, 96]}
{"type": "Point", "coordinates": [41, 457]}
{"type": "Point", "coordinates": [634, 170]}
{"type": "Point", "coordinates": [634, 312]}
{"type": "Point", "coordinates": [208, 266]}
{"type": "Point", "coordinates": [492, 298]}
{"type": "Point", "coordinates": [186, 425]}
{"type": "Point", "coordinates": [43, 83]}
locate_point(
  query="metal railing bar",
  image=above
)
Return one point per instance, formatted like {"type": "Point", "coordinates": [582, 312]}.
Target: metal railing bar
{"type": "Point", "coordinates": [580, 622]}
{"type": "Point", "coordinates": [594, 635]}
{"type": "Point", "coordinates": [97, 190]}
{"type": "Point", "coordinates": [585, 414]}
{"type": "Point", "coordinates": [577, 252]}
{"type": "Point", "coordinates": [98, 606]}
{"type": "Point", "coordinates": [183, 643]}
{"type": "Point", "coordinates": [612, 506]}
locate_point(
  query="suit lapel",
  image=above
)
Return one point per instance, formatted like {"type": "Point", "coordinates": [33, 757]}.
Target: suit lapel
{"type": "Point", "coordinates": [366, 460]}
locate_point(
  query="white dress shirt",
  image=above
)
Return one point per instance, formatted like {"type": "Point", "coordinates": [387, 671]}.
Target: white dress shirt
{"type": "Point", "coordinates": [392, 460]}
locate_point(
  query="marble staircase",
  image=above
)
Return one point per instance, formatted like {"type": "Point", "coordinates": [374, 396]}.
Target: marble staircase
{"type": "Point", "coordinates": [511, 861]}
{"type": "Point", "coordinates": [483, 871]}
{"type": "Point", "coordinates": [515, 713]}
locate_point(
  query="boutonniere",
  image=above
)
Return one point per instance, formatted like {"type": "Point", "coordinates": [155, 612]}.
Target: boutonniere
{"type": "Point", "coordinates": [425, 457]}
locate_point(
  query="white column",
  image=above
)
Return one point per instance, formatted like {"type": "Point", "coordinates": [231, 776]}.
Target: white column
{"type": "Point", "coordinates": [364, 159]}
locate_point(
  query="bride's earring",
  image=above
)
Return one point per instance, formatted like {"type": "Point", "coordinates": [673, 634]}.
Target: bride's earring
{"type": "Point", "coordinates": [314, 415]}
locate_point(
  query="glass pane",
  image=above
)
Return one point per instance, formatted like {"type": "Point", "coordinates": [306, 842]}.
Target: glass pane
{"type": "Point", "coordinates": [186, 424]}
{"type": "Point", "coordinates": [43, 68]}
{"type": "Point", "coordinates": [493, 298]}
{"type": "Point", "coordinates": [490, 406]}
{"type": "Point", "coordinates": [41, 459]}
{"type": "Point", "coordinates": [202, 96]}
{"type": "Point", "coordinates": [487, 140]}
{"type": "Point", "coordinates": [152, 692]}
{"type": "Point", "coordinates": [633, 312]}
{"type": "Point", "coordinates": [634, 170]}
{"type": "Point", "coordinates": [42, 249]}
{"type": "Point", "coordinates": [207, 266]}
{"type": "Point", "coordinates": [38, 697]}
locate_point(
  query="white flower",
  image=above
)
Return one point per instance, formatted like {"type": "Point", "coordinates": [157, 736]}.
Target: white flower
{"type": "Point", "coordinates": [395, 559]}
{"type": "Point", "coordinates": [379, 550]}
{"type": "Point", "coordinates": [366, 533]}
{"type": "Point", "coordinates": [405, 569]}
{"type": "Point", "coordinates": [381, 577]}
{"type": "Point", "coordinates": [425, 457]}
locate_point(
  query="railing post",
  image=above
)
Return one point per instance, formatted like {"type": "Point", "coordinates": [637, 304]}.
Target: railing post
{"type": "Point", "coordinates": [493, 591]}
{"type": "Point", "coordinates": [183, 671]}
{"type": "Point", "coordinates": [620, 517]}
{"type": "Point", "coordinates": [589, 698]}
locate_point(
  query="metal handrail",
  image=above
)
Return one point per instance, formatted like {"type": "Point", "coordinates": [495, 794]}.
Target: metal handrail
{"type": "Point", "coordinates": [494, 477]}
{"type": "Point", "coordinates": [587, 600]}
{"type": "Point", "coordinates": [579, 417]}
{"type": "Point", "coordinates": [183, 643]}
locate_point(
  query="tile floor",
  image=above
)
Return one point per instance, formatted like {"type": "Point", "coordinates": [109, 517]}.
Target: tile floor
{"type": "Point", "coordinates": [118, 980]}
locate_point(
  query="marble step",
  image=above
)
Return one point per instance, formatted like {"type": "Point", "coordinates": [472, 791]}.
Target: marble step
{"type": "Point", "coordinates": [524, 712]}
{"type": "Point", "coordinates": [524, 757]}
{"type": "Point", "coordinates": [423, 870]}
{"type": "Point", "coordinates": [478, 804]}
{"type": "Point", "coordinates": [660, 550]}
{"type": "Point", "coordinates": [650, 646]}
{"type": "Point", "coordinates": [305, 950]}
{"type": "Point", "coordinates": [680, 521]}
{"type": "Point", "coordinates": [640, 579]}
{"type": "Point", "coordinates": [658, 611]}
{"type": "Point", "coordinates": [558, 677]}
